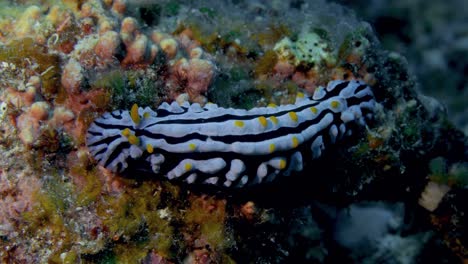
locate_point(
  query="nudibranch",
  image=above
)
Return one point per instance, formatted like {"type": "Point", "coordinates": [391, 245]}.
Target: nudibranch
{"type": "Point", "coordinates": [225, 146]}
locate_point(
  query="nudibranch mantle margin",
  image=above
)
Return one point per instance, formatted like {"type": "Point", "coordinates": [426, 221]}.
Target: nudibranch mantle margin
{"type": "Point", "coordinates": [225, 146]}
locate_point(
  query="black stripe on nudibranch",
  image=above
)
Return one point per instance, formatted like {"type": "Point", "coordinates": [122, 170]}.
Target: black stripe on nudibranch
{"type": "Point", "coordinates": [116, 152]}
{"type": "Point", "coordinates": [100, 152]}
{"type": "Point", "coordinates": [94, 133]}
{"type": "Point", "coordinates": [110, 126]}
{"type": "Point", "coordinates": [360, 88]}
{"type": "Point", "coordinates": [234, 138]}
{"type": "Point", "coordinates": [105, 140]}
{"type": "Point", "coordinates": [229, 147]}
{"type": "Point", "coordinates": [227, 116]}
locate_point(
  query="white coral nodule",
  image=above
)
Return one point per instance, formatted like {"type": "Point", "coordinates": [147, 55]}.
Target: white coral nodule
{"type": "Point", "coordinates": [432, 195]}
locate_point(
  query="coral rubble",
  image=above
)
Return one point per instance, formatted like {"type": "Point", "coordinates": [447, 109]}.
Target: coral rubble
{"type": "Point", "coordinates": [64, 63]}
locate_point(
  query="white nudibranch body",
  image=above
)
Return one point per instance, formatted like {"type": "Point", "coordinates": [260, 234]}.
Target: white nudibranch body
{"type": "Point", "coordinates": [228, 147]}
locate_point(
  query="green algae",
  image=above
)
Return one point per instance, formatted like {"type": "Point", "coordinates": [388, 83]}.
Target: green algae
{"type": "Point", "coordinates": [283, 93]}
{"type": "Point", "coordinates": [172, 8]}
{"type": "Point", "coordinates": [136, 228]}
{"type": "Point", "coordinates": [86, 117]}
{"type": "Point", "coordinates": [114, 81]}
{"type": "Point", "coordinates": [9, 10]}
{"type": "Point", "coordinates": [129, 87]}
{"type": "Point", "coordinates": [264, 65]}
{"type": "Point", "coordinates": [25, 53]}
{"type": "Point", "coordinates": [219, 41]}
{"type": "Point", "coordinates": [135, 222]}
{"type": "Point", "coordinates": [354, 42]}
{"type": "Point", "coordinates": [273, 34]}
{"type": "Point", "coordinates": [458, 175]}
{"type": "Point", "coordinates": [266, 89]}
{"type": "Point", "coordinates": [69, 257]}
{"type": "Point", "coordinates": [453, 175]}
{"type": "Point", "coordinates": [438, 166]}
{"type": "Point", "coordinates": [292, 89]}
{"type": "Point", "coordinates": [48, 219]}
{"type": "Point", "coordinates": [205, 218]}
{"type": "Point", "coordinates": [233, 89]}
{"type": "Point", "coordinates": [92, 189]}
{"type": "Point", "coordinates": [210, 12]}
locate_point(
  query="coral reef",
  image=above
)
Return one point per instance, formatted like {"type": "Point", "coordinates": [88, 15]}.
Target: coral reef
{"type": "Point", "coordinates": [433, 39]}
{"type": "Point", "coordinates": [64, 63]}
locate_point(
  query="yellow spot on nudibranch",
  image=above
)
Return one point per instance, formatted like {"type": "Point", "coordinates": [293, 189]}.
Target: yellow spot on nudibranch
{"type": "Point", "coordinates": [314, 109]}
{"type": "Point", "coordinates": [192, 146]}
{"type": "Point", "coordinates": [134, 140]}
{"type": "Point", "coordinates": [274, 119]}
{"type": "Point", "coordinates": [126, 132]}
{"type": "Point", "coordinates": [334, 104]}
{"type": "Point", "coordinates": [149, 148]}
{"type": "Point", "coordinates": [272, 147]}
{"type": "Point", "coordinates": [263, 121]}
{"type": "Point", "coordinates": [146, 114]}
{"type": "Point", "coordinates": [134, 114]}
{"type": "Point", "coordinates": [293, 116]}
{"type": "Point", "coordinates": [188, 166]}
{"type": "Point", "coordinates": [239, 123]}
{"type": "Point", "coordinates": [272, 105]}
{"type": "Point", "coordinates": [295, 142]}
{"type": "Point", "coordinates": [282, 164]}
{"type": "Point", "coordinates": [300, 95]}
